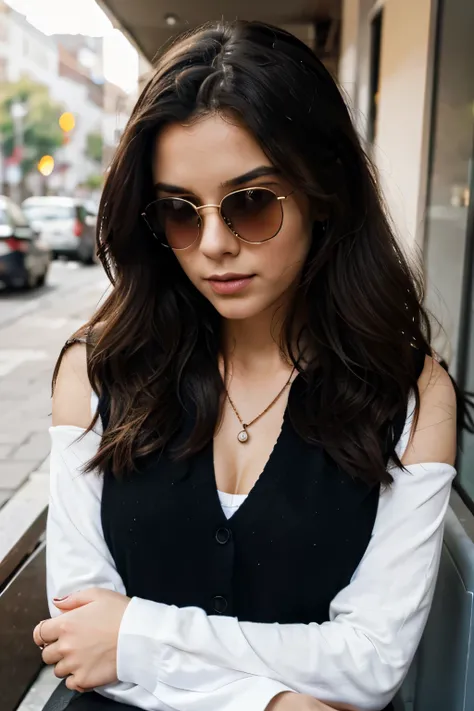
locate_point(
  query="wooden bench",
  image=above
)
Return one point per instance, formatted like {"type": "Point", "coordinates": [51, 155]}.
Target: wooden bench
{"type": "Point", "coordinates": [22, 604]}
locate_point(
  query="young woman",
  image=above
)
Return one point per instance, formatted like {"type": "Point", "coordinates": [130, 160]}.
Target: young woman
{"type": "Point", "coordinates": [254, 517]}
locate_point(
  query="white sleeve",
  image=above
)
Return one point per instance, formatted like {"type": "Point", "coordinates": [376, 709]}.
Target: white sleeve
{"type": "Point", "coordinates": [359, 657]}
{"type": "Point", "coordinates": [78, 558]}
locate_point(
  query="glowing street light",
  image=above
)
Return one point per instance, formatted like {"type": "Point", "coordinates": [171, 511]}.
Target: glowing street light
{"type": "Point", "coordinates": [67, 121]}
{"type": "Point", "coordinates": [46, 165]}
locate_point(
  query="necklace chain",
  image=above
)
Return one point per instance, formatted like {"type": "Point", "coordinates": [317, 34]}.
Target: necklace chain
{"type": "Point", "coordinates": [243, 436]}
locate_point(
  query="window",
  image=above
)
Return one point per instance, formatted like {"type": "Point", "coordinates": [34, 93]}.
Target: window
{"type": "Point", "coordinates": [449, 232]}
{"type": "Point", "coordinates": [48, 212]}
{"type": "Point", "coordinates": [375, 48]}
{"type": "Point", "coordinates": [3, 24]}
{"type": "Point", "coordinates": [81, 213]}
{"type": "Point", "coordinates": [3, 69]}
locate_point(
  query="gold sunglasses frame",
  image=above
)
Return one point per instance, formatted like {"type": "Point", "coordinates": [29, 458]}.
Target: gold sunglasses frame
{"type": "Point", "coordinates": [198, 208]}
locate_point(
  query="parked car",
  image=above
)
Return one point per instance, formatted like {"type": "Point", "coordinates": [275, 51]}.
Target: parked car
{"type": "Point", "coordinates": [24, 257]}
{"type": "Point", "coordinates": [66, 224]}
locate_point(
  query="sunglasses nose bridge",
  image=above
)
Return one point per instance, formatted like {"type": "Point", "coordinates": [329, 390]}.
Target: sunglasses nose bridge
{"type": "Point", "coordinates": [203, 207]}
{"type": "Point", "coordinates": [213, 206]}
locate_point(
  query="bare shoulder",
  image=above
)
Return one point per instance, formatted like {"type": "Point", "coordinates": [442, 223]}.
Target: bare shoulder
{"type": "Point", "coordinates": [434, 439]}
{"type": "Point", "coordinates": [72, 391]}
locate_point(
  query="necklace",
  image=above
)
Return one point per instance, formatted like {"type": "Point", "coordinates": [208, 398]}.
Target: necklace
{"type": "Point", "coordinates": [243, 435]}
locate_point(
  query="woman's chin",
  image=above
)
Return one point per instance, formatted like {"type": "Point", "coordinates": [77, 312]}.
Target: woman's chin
{"type": "Point", "coordinates": [237, 309]}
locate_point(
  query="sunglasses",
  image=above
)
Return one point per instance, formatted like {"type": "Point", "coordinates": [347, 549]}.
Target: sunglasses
{"type": "Point", "coordinates": [254, 215]}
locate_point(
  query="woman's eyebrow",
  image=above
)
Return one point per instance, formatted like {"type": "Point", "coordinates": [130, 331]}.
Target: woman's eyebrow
{"type": "Point", "coordinates": [259, 172]}
{"type": "Point", "coordinates": [167, 188]}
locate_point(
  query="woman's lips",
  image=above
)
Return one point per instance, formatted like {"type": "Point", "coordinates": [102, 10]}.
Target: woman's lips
{"type": "Point", "coordinates": [230, 286]}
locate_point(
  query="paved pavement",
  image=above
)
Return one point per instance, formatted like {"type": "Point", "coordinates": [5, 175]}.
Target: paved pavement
{"type": "Point", "coordinates": [33, 327]}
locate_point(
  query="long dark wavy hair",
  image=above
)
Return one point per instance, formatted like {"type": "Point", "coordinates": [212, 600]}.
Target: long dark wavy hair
{"type": "Point", "coordinates": [155, 342]}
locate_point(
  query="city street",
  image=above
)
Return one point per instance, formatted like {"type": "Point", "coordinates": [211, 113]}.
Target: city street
{"type": "Point", "coordinates": [33, 327]}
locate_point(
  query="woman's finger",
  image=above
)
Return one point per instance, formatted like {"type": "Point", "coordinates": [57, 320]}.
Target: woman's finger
{"type": "Point", "coordinates": [62, 670]}
{"type": "Point", "coordinates": [37, 638]}
{"type": "Point", "coordinates": [51, 654]}
{"type": "Point", "coordinates": [42, 634]}
{"type": "Point", "coordinates": [71, 684]}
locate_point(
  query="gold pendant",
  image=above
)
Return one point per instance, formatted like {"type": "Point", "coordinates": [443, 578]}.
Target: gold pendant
{"type": "Point", "coordinates": [243, 436]}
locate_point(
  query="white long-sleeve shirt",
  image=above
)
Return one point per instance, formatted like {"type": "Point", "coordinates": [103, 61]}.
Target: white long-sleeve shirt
{"type": "Point", "coordinates": [184, 659]}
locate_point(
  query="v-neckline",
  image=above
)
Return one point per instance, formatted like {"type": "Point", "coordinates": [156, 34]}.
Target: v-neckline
{"type": "Point", "coordinates": [247, 506]}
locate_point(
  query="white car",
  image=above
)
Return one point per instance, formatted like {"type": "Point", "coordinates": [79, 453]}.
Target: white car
{"type": "Point", "coordinates": [66, 224]}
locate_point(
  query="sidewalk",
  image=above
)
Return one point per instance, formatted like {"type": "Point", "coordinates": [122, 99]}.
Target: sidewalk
{"type": "Point", "coordinates": [33, 328]}
{"type": "Point", "coordinates": [29, 347]}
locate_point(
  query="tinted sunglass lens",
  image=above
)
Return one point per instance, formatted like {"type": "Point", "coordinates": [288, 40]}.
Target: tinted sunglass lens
{"type": "Point", "coordinates": [255, 215]}
{"type": "Point", "coordinates": [175, 220]}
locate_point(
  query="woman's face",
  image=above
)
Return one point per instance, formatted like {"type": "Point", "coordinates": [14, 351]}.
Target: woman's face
{"type": "Point", "coordinates": [202, 162]}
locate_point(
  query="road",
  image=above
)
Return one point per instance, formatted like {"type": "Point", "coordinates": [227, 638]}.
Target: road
{"type": "Point", "coordinates": [33, 327]}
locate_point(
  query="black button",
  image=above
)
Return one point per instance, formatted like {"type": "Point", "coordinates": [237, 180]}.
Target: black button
{"type": "Point", "coordinates": [223, 535]}
{"type": "Point", "coordinates": [219, 604]}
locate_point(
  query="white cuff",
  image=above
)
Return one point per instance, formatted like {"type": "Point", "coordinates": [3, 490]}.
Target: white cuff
{"type": "Point", "coordinates": [176, 676]}
{"type": "Point", "coordinates": [138, 647]}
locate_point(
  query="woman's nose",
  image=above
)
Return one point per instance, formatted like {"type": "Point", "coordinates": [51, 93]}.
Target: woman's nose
{"type": "Point", "coordinates": [216, 238]}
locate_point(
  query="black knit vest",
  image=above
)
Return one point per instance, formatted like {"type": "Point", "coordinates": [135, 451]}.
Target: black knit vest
{"type": "Point", "coordinates": [289, 549]}
{"type": "Point", "coordinates": [293, 544]}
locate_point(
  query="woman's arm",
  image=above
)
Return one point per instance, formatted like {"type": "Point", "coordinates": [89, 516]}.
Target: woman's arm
{"type": "Point", "coordinates": [361, 656]}
{"type": "Point", "coordinates": [78, 557]}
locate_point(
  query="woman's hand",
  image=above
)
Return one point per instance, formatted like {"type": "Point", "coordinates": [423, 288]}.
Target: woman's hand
{"type": "Point", "coordinates": [289, 701]}
{"type": "Point", "coordinates": [82, 642]}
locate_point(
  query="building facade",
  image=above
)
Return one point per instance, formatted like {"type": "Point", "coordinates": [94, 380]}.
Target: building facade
{"type": "Point", "coordinates": [117, 108]}
{"type": "Point", "coordinates": [72, 68]}
{"type": "Point", "coordinates": [80, 88]}
{"type": "Point", "coordinates": [407, 69]}
{"type": "Point", "coordinates": [24, 51]}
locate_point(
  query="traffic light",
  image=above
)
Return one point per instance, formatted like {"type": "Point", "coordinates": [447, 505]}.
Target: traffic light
{"type": "Point", "coordinates": [67, 121]}
{"type": "Point", "coordinates": [46, 165]}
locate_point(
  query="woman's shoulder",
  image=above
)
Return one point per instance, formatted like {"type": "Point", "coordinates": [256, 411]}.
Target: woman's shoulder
{"type": "Point", "coordinates": [433, 439]}
{"type": "Point", "coordinates": [72, 391]}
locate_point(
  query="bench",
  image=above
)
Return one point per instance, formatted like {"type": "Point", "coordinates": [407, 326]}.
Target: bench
{"type": "Point", "coordinates": [22, 604]}
{"type": "Point", "coordinates": [441, 677]}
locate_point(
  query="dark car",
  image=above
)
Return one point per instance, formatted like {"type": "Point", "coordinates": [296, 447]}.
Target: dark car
{"type": "Point", "coordinates": [24, 258]}
{"type": "Point", "coordinates": [66, 224]}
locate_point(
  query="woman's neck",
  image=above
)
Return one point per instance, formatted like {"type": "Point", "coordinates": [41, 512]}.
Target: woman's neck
{"type": "Point", "coordinates": [254, 345]}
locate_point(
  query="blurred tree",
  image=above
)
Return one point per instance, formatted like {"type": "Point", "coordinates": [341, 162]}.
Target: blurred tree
{"type": "Point", "coordinates": [94, 182]}
{"type": "Point", "coordinates": [40, 132]}
{"type": "Point", "coordinates": [95, 145]}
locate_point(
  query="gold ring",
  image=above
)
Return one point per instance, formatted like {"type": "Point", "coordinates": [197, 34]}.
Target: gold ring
{"type": "Point", "coordinates": [45, 644]}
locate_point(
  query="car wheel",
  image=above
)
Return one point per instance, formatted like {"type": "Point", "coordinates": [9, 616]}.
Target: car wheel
{"type": "Point", "coordinates": [87, 260]}
{"type": "Point", "coordinates": [41, 280]}
{"type": "Point", "coordinates": [29, 282]}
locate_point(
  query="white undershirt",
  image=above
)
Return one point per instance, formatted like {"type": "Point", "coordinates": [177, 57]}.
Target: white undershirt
{"type": "Point", "coordinates": [230, 502]}
{"type": "Point", "coordinates": [180, 659]}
